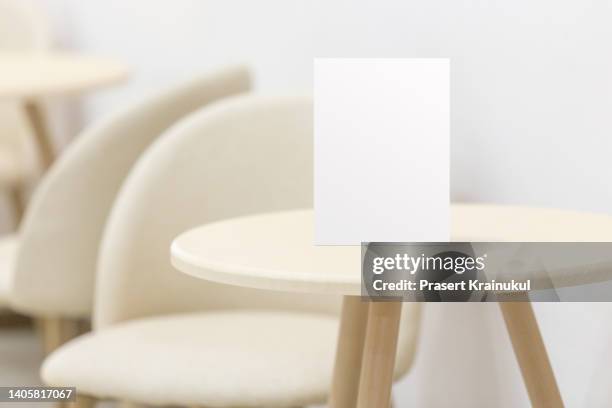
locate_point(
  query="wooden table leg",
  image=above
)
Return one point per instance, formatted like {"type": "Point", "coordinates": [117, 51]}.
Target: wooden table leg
{"type": "Point", "coordinates": [349, 353]}
{"type": "Point", "coordinates": [531, 354]}
{"type": "Point", "coordinates": [41, 134]}
{"type": "Point", "coordinates": [17, 203]}
{"type": "Point", "coordinates": [379, 355]}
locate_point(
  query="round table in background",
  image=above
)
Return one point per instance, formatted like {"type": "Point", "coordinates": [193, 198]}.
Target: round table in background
{"type": "Point", "coordinates": [275, 251]}
{"type": "Point", "coordinates": [32, 76]}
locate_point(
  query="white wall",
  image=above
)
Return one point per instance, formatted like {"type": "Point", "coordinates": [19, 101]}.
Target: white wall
{"type": "Point", "coordinates": [530, 124]}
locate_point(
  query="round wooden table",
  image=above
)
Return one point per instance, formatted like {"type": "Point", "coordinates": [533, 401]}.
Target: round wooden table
{"type": "Point", "coordinates": [32, 76]}
{"type": "Point", "coordinates": [275, 251]}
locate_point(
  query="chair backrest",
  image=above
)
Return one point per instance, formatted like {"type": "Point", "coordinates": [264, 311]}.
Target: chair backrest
{"type": "Point", "coordinates": [239, 156]}
{"type": "Point", "coordinates": [62, 228]}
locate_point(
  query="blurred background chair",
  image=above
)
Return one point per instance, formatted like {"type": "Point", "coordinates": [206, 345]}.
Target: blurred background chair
{"type": "Point", "coordinates": [164, 338]}
{"type": "Point", "coordinates": [22, 28]}
{"type": "Point", "coordinates": [49, 266]}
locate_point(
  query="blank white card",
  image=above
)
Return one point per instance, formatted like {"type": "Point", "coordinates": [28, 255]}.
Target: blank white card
{"type": "Point", "coordinates": [381, 129]}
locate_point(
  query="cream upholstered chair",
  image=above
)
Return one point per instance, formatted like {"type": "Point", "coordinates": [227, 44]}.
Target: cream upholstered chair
{"type": "Point", "coordinates": [22, 28]}
{"type": "Point", "coordinates": [59, 238]}
{"type": "Point", "coordinates": [164, 338]}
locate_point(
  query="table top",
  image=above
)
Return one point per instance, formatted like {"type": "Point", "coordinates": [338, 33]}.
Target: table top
{"type": "Point", "coordinates": [30, 75]}
{"type": "Point", "coordinates": [275, 250]}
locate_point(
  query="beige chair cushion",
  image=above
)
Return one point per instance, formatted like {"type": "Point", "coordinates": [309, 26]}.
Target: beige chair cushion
{"type": "Point", "coordinates": [8, 252]}
{"type": "Point", "coordinates": [229, 358]}
{"type": "Point", "coordinates": [246, 358]}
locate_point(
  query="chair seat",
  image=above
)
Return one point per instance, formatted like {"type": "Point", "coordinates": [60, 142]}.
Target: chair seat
{"type": "Point", "coordinates": [8, 252]}
{"type": "Point", "coordinates": [218, 359]}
